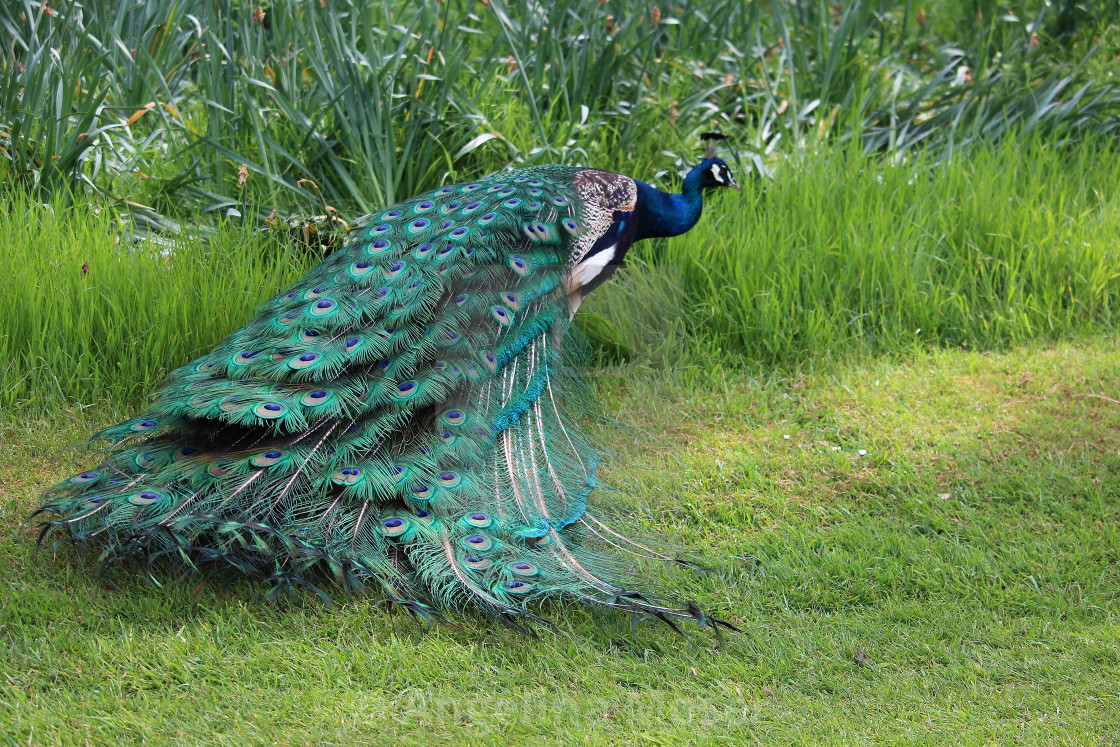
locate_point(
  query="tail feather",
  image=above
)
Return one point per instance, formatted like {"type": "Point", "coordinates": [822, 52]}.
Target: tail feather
{"type": "Point", "coordinates": [401, 420]}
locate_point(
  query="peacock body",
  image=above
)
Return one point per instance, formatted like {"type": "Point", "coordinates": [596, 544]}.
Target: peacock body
{"type": "Point", "coordinates": [402, 417]}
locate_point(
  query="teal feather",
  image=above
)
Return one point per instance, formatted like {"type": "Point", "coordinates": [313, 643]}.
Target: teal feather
{"type": "Point", "coordinates": [401, 418]}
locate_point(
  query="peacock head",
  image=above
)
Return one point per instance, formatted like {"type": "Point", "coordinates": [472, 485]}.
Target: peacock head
{"type": "Point", "coordinates": [715, 173]}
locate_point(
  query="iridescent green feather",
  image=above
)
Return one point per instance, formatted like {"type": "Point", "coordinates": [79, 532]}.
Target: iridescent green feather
{"type": "Point", "coordinates": [397, 419]}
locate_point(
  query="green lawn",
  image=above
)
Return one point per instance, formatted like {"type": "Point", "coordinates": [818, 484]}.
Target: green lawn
{"type": "Point", "coordinates": [956, 583]}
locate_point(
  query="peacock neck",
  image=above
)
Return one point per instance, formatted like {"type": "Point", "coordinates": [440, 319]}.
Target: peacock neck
{"type": "Point", "coordinates": [666, 213]}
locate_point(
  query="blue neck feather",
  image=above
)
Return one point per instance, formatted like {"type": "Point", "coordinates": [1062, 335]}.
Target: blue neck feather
{"type": "Point", "coordinates": [667, 214]}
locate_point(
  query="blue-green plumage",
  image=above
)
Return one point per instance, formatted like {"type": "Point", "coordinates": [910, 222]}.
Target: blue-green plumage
{"type": "Point", "coordinates": [402, 417]}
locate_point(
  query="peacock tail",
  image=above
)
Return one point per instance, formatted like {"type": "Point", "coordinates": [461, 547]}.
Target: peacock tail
{"type": "Point", "coordinates": [401, 419]}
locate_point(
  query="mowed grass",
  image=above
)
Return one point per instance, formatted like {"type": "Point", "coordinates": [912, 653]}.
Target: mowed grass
{"type": "Point", "coordinates": [921, 550]}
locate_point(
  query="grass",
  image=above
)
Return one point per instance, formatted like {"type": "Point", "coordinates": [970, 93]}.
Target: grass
{"type": "Point", "coordinates": [876, 392]}
{"type": "Point", "coordinates": [842, 254]}
{"type": "Point", "coordinates": [1010, 245]}
{"type": "Point", "coordinates": [163, 103]}
{"type": "Point", "coordinates": [957, 583]}
{"type": "Point", "coordinates": [88, 318]}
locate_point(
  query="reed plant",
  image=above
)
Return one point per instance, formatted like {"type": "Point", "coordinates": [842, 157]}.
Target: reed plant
{"type": "Point", "coordinates": [193, 106]}
{"type": "Point", "coordinates": [843, 255]}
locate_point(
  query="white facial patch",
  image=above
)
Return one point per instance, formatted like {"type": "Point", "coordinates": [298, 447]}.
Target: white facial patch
{"type": "Point", "coordinates": [715, 174]}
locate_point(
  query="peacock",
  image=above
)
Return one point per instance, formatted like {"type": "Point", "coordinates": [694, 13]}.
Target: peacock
{"type": "Point", "coordinates": [401, 421]}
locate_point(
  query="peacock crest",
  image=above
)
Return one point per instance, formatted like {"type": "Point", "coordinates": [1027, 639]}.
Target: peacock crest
{"type": "Point", "coordinates": [401, 418]}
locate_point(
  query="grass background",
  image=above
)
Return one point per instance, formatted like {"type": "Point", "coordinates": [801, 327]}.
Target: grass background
{"type": "Point", "coordinates": [956, 583]}
{"type": "Point", "coordinates": [877, 392]}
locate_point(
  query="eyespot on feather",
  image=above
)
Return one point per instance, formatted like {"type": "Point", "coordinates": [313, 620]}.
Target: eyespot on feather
{"type": "Point", "coordinates": [477, 519]}
{"type": "Point", "coordinates": [521, 568]}
{"type": "Point", "coordinates": [449, 479]}
{"type": "Point", "coordinates": [268, 458]}
{"type": "Point", "coordinates": [232, 403]}
{"type": "Point", "coordinates": [147, 461]}
{"type": "Point", "coordinates": [360, 269]}
{"type": "Point", "coordinates": [347, 476]}
{"type": "Point", "coordinates": [269, 410]}
{"type": "Point", "coordinates": [146, 498]}
{"type": "Point", "coordinates": [394, 526]}
{"type": "Point", "coordinates": [405, 390]}
{"type": "Point", "coordinates": [476, 562]}
{"type": "Point", "coordinates": [517, 587]}
{"type": "Point", "coordinates": [317, 398]}
{"type": "Point", "coordinates": [323, 308]}
{"type": "Point", "coordinates": [218, 469]}
{"type": "Point", "coordinates": [304, 361]}
{"type": "Point", "coordinates": [519, 264]}
{"type": "Point", "coordinates": [476, 543]}
{"type": "Point", "coordinates": [377, 247]}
